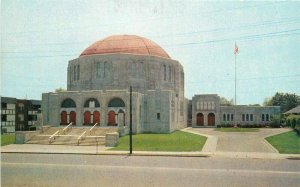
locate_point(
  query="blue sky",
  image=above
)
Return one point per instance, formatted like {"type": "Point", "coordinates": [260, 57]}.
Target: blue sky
{"type": "Point", "coordinates": [38, 38]}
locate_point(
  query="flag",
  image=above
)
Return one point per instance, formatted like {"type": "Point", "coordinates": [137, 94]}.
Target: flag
{"type": "Point", "coordinates": [236, 49]}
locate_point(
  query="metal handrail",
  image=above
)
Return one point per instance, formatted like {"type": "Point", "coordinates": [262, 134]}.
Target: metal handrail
{"type": "Point", "coordinates": [80, 137]}
{"type": "Point", "coordinates": [53, 136]}
{"type": "Point", "coordinates": [65, 129]}
{"type": "Point", "coordinates": [90, 131]}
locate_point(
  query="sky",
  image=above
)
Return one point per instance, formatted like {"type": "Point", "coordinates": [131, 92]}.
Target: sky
{"type": "Point", "coordinates": [38, 38]}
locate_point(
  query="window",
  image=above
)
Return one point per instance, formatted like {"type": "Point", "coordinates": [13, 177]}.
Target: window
{"type": "Point", "coordinates": [267, 117]}
{"type": "Point", "coordinates": [21, 106]}
{"type": "Point", "coordinates": [158, 116]}
{"type": "Point", "coordinates": [3, 105]}
{"type": "Point", "coordinates": [170, 73]}
{"type": "Point", "coordinates": [262, 117]}
{"type": "Point", "coordinates": [165, 73]}
{"type": "Point", "coordinates": [105, 69]}
{"type": "Point", "coordinates": [3, 117]}
{"type": "Point", "coordinates": [243, 117]}
{"type": "Point", "coordinates": [98, 70]}
{"type": "Point", "coordinates": [247, 117]}
{"type": "Point", "coordinates": [78, 72]}
{"type": "Point", "coordinates": [251, 117]}
{"type": "Point", "coordinates": [231, 117]}
{"type": "Point", "coordinates": [32, 117]}
{"type": "Point", "coordinates": [74, 78]}
{"type": "Point", "coordinates": [224, 117]}
{"type": "Point", "coordinates": [21, 117]}
{"type": "Point", "coordinates": [133, 69]}
{"type": "Point", "coordinates": [228, 116]}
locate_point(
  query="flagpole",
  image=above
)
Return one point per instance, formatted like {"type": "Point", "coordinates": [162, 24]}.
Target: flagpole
{"type": "Point", "coordinates": [235, 78]}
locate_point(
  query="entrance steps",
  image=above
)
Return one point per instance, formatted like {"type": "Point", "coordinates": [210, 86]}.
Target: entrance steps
{"type": "Point", "coordinates": [72, 136]}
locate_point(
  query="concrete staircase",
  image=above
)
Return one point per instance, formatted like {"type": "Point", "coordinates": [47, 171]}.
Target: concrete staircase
{"type": "Point", "coordinates": [70, 137]}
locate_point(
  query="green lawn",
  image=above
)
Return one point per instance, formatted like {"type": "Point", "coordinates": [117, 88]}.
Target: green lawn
{"type": "Point", "coordinates": [287, 142]}
{"type": "Point", "coordinates": [7, 139]}
{"type": "Point", "coordinates": [176, 141]}
{"type": "Point", "coordinates": [234, 129]}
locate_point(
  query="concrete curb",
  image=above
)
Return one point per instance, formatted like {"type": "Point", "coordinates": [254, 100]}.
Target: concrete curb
{"type": "Point", "coordinates": [118, 153]}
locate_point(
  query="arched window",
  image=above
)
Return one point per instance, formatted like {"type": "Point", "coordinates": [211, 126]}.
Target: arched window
{"type": "Point", "coordinates": [251, 117]}
{"type": "Point", "coordinates": [228, 117]}
{"type": "Point", "coordinates": [91, 103]}
{"type": "Point", "coordinates": [105, 70]}
{"type": "Point", "coordinates": [262, 117]}
{"type": "Point", "coordinates": [116, 102]}
{"type": "Point", "coordinates": [165, 72]}
{"type": "Point", "coordinates": [133, 69]}
{"type": "Point", "coordinates": [75, 73]}
{"type": "Point", "coordinates": [170, 73]}
{"type": "Point", "coordinates": [247, 117]}
{"type": "Point", "coordinates": [98, 70]}
{"type": "Point", "coordinates": [78, 72]}
{"type": "Point", "coordinates": [231, 117]}
{"type": "Point", "coordinates": [68, 103]}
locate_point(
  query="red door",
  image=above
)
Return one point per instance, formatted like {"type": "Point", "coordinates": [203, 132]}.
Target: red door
{"type": "Point", "coordinates": [73, 117]}
{"type": "Point", "coordinates": [87, 118]}
{"type": "Point", "coordinates": [63, 118]}
{"type": "Point", "coordinates": [211, 119]}
{"type": "Point", "coordinates": [111, 118]}
{"type": "Point", "coordinates": [200, 120]}
{"type": "Point", "coordinates": [96, 117]}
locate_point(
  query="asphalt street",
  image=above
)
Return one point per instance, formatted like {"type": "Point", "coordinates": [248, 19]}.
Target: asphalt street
{"type": "Point", "coordinates": [108, 170]}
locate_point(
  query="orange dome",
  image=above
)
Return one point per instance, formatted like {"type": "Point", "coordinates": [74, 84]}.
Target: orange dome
{"type": "Point", "coordinates": [128, 44]}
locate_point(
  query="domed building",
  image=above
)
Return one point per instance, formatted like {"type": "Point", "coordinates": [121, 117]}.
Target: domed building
{"type": "Point", "coordinates": [98, 88]}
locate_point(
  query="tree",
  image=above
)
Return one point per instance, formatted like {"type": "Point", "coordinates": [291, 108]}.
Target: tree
{"type": "Point", "coordinates": [286, 101]}
{"type": "Point", "coordinates": [226, 102]}
{"type": "Point", "coordinates": [57, 90]}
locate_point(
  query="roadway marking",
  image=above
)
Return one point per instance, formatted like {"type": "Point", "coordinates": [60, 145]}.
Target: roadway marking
{"type": "Point", "coordinates": [153, 168]}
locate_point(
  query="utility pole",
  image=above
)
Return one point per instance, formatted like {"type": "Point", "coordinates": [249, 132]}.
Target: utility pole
{"type": "Point", "coordinates": [130, 123]}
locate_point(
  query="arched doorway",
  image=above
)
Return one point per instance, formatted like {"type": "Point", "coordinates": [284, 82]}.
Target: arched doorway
{"type": "Point", "coordinates": [111, 118]}
{"type": "Point", "coordinates": [96, 117]}
{"type": "Point", "coordinates": [87, 118]}
{"type": "Point", "coordinates": [116, 116]}
{"type": "Point", "coordinates": [211, 119]}
{"type": "Point", "coordinates": [121, 117]}
{"type": "Point", "coordinates": [73, 117]}
{"type": "Point", "coordinates": [200, 119]}
{"type": "Point", "coordinates": [63, 118]}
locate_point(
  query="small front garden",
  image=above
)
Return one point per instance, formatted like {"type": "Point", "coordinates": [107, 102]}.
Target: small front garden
{"type": "Point", "coordinates": [288, 142]}
{"type": "Point", "coordinates": [7, 139]}
{"type": "Point", "coordinates": [177, 141]}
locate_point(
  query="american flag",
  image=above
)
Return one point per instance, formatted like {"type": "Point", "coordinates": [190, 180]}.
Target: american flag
{"type": "Point", "coordinates": [236, 49]}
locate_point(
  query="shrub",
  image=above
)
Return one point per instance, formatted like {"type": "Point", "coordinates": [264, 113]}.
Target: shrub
{"type": "Point", "coordinates": [32, 128]}
{"type": "Point", "coordinates": [275, 121]}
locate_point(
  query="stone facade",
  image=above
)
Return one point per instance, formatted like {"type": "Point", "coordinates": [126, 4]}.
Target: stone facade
{"type": "Point", "coordinates": [207, 111]}
{"type": "Point", "coordinates": [98, 87]}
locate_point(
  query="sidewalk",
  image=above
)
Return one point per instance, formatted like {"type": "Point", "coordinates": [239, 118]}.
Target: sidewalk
{"type": "Point", "coordinates": [92, 150]}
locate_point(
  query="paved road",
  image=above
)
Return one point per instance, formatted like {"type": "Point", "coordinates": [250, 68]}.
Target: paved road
{"type": "Point", "coordinates": [241, 141]}
{"type": "Point", "coordinates": [99, 170]}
